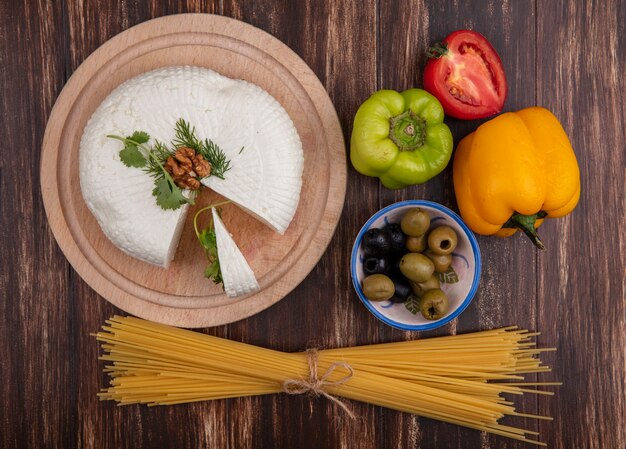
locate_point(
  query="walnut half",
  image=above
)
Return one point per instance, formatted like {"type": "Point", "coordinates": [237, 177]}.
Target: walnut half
{"type": "Point", "coordinates": [201, 166]}
{"type": "Point", "coordinates": [186, 166]}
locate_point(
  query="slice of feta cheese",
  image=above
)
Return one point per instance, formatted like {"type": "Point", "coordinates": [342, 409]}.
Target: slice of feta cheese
{"type": "Point", "coordinates": [267, 163]}
{"type": "Point", "coordinates": [238, 278]}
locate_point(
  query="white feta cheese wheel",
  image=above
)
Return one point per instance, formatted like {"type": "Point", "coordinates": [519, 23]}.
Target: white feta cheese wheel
{"type": "Point", "coordinates": [265, 178]}
{"type": "Point", "coordinates": [237, 276]}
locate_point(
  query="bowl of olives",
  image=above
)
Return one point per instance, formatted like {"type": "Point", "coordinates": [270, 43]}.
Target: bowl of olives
{"type": "Point", "coordinates": [415, 265]}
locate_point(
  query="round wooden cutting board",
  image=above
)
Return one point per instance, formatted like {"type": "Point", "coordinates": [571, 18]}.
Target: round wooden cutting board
{"type": "Point", "coordinates": [180, 295]}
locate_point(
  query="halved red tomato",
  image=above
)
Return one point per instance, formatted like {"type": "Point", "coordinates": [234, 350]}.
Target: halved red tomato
{"type": "Point", "coordinates": [466, 75]}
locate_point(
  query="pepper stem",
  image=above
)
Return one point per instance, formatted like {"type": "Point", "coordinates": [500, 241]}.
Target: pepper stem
{"type": "Point", "coordinates": [407, 131]}
{"type": "Point", "coordinates": [438, 50]}
{"type": "Point", "coordinates": [526, 223]}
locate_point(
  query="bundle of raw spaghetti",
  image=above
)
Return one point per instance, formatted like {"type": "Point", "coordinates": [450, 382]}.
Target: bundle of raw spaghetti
{"type": "Point", "coordinates": [458, 379]}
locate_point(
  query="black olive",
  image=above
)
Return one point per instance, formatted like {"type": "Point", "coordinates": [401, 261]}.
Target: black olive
{"type": "Point", "coordinates": [398, 239]}
{"type": "Point", "coordinates": [376, 242]}
{"type": "Point", "coordinates": [374, 265]}
{"type": "Point", "coordinates": [394, 264]}
{"type": "Point", "coordinates": [402, 290]}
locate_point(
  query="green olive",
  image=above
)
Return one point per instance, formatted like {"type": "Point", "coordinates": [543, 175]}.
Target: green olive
{"type": "Point", "coordinates": [417, 244]}
{"type": "Point", "coordinates": [442, 261]}
{"type": "Point", "coordinates": [419, 288]}
{"type": "Point", "coordinates": [434, 304]}
{"type": "Point", "coordinates": [416, 267]}
{"type": "Point", "coordinates": [415, 222]}
{"type": "Point", "coordinates": [378, 287]}
{"type": "Point", "coordinates": [442, 240]}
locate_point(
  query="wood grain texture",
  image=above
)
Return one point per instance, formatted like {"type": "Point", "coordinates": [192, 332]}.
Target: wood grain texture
{"type": "Point", "coordinates": [35, 317]}
{"type": "Point", "coordinates": [581, 301]}
{"type": "Point", "coordinates": [566, 55]}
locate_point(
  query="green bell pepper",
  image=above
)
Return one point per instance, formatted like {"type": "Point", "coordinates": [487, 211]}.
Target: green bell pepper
{"type": "Point", "coordinates": [400, 138]}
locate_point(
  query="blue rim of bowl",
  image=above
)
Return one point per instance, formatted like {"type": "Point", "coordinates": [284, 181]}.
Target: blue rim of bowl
{"type": "Point", "coordinates": [458, 310]}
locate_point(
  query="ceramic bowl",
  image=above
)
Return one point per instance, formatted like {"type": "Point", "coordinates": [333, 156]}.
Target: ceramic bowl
{"type": "Point", "coordinates": [460, 286]}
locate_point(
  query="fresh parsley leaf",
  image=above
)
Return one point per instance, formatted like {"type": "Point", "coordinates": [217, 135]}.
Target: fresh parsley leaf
{"type": "Point", "coordinates": [140, 137]}
{"type": "Point", "coordinates": [168, 195]}
{"type": "Point", "coordinates": [208, 240]}
{"type": "Point", "coordinates": [131, 156]}
{"type": "Point", "coordinates": [213, 272]}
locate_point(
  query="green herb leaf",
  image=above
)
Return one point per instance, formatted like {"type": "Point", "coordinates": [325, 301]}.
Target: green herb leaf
{"type": "Point", "coordinates": [216, 157]}
{"type": "Point", "coordinates": [186, 137]}
{"type": "Point", "coordinates": [412, 304]}
{"type": "Point", "coordinates": [213, 272]}
{"type": "Point", "coordinates": [208, 241]}
{"type": "Point", "coordinates": [449, 277]}
{"type": "Point", "coordinates": [140, 137]}
{"type": "Point", "coordinates": [158, 157]}
{"type": "Point", "coordinates": [131, 156]}
{"type": "Point", "coordinates": [168, 195]}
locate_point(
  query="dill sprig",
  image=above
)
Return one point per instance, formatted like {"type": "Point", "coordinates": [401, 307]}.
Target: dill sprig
{"type": "Point", "coordinates": [154, 166]}
{"type": "Point", "coordinates": [216, 157]}
{"type": "Point", "coordinates": [186, 137]}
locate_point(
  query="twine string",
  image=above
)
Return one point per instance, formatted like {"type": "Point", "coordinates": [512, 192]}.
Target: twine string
{"type": "Point", "coordinates": [315, 385]}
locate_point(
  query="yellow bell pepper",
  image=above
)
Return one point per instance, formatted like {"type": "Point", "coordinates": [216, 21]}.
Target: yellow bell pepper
{"type": "Point", "coordinates": [514, 171]}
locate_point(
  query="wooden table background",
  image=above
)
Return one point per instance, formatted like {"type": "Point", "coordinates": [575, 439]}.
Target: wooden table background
{"type": "Point", "coordinates": [564, 55]}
